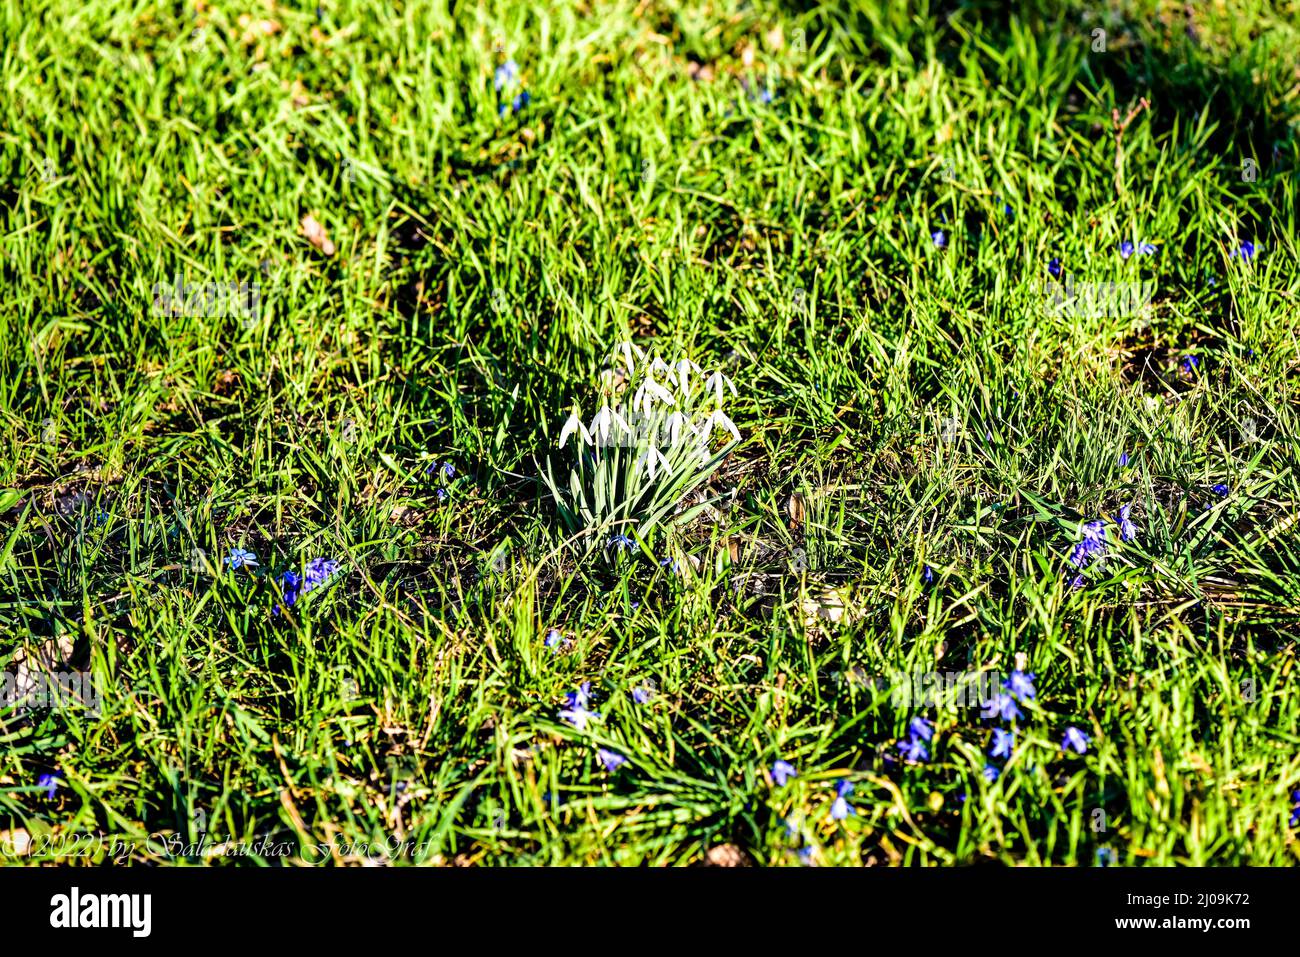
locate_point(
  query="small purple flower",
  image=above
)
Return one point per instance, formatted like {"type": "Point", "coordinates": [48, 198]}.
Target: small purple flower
{"type": "Point", "coordinates": [1054, 268]}
{"type": "Point", "coordinates": [1127, 530]}
{"type": "Point", "coordinates": [521, 100]}
{"type": "Point", "coordinates": [1077, 582]}
{"type": "Point", "coordinates": [240, 558]}
{"type": "Point", "coordinates": [441, 494]}
{"type": "Point", "coordinates": [579, 698]}
{"type": "Point", "coordinates": [317, 573]}
{"type": "Point", "coordinates": [991, 773]}
{"type": "Point", "coordinates": [51, 784]}
{"type": "Point", "coordinates": [1021, 684]}
{"type": "Point", "coordinates": [1003, 742]}
{"type": "Point", "coordinates": [578, 715]}
{"type": "Point", "coordinates": [1125, 249]}
{"type": "Point", "coordinates": [1245, 251]}
{"type": "Point", "coordinates": [448, 471]}
{"type": "Point", "coordinates": [939, 239]}
{"type": "Point", "coordinates": [914, 749]}
{"type": "Point", "coordinates": [918, 727]}
{"type": "Point", "coordinates": [1074, 740]}
{"type": "Point", "coordinates": [840, 807]}
{"type": "Point", "coordinates": [1123, 460]}
{"type": "Point", "coordinates": [1220, 490]}
{"type": "Point", "coordinates": [505, 75]}
{"type": "Point", "coordinates": [1191, 363]}
{"type": "Point", "coordinates": [553, 638]}
{"type": "Point", "coordinates": [783, 771]}
{"type": "Point", "coordinates": [640, 695]}
{"type": "Point", "coordinates": [1105, 857]}
{"type": "Point", "coordinates": [620, 542]}
{"type": "Point", "coordinates": [1003, 706]}
{"type": "Point", "coordinates": [290, 585]}
{"type": "Point", "coordinates": [927, 574]}
{"type": "Point", "coordinates": [1093, 545]}
{"type": "Point", "coordinates": [1295, 811]}
{"type": "Point", "coordinates": [612, 760]}
{"type": "Point", "coordinates": [1146, 249]}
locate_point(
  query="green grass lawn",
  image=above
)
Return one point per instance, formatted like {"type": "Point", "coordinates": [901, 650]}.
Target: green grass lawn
{"type": "Point", "coordinates": [864, 213]}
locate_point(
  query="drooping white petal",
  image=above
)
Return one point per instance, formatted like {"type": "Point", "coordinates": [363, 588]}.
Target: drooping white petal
{"type": "Point", "coordinates": [656, 454]}
{"type": "Point", "coordinates": [684, 367]}
{"type": "Point", "coordinates": [659, 392]}
{"type": "Point", "coordinates": [718, 383]}
{"type": "Point", "coordinates": [675, 423]}
{"type": "Point", "coordinates": [718, 417]}
{"type": "Point", "coordinates": [574, 424]}
{"type": "Point", "coordinates": [600, 424]}
{"type": "Point", "coordinates": [630, 354]}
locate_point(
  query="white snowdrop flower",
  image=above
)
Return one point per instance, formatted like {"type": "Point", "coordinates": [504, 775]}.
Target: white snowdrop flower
{"type": "Point", "coordinates": [675, 423]}
{"type": "Point", "coordinates": [659, 367]}
{"type": "Point", "coordinates": [659, 392]}
{"type": "Point", "coordinates": [684, 368]}
{"type": "Point", "coordinates": [630, 354]}
{"type": "Point", "coordinates": [716, 382]}
{"type": "Point", "coordinates": [719, 418]}
{"type": "Point", "coordinates": [653, 455]}
{"type": "Point", "coordinates": [650, 389]}
{"type": "Point", "coordinates": [602, 421]}
{"type": "Point", "coordinates": [571, 425]}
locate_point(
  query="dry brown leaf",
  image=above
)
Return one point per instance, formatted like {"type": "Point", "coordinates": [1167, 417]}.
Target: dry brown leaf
{"type": "Point", "coordinates": [15, 843]}
{"type": "Point", "coordinates": [727, 855]}
{"type": "Point", "coordinates": [316, 234]}
{"type": "Point", "coordinates": [796, 508]}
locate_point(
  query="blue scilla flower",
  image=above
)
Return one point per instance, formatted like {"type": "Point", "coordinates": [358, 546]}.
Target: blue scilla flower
{"type": "Point", "coordinates": [448, 471]}
{"type": "Point", "coordinates": [290, 584]}
{"type": "Point", "coordinates": [1105, 857]}
{"type": "Point", "coordinates": [553, 638]}
{"type": "Point", "coordinates": [1123, 460]}
{"type": "Point", "coordinates": [1220, 490]}
{"type": "Point", "coordinates": [1092, 547]}
{"type": "Point", "coordinates": [522, 99]}
{"type": "Point", "coordinates": [919, 727]}
{"type": "Point", "coordinates": [240, 558]}
{"type": "Point", "coordinates": [1021, 684]}
{"type": "Point", "coordinates": [1245, 251]}
{"type": "Point", "coordinates": [1004, 706]}
{"type": "Point", "coordinates": [1295, 811]}
{"type": "Point", "coordinates": [611, 759]}
{"type": "Point", "coordinates": [1003, 742]}
{"type": "Point", "coordinates": [927, 574]}
{"type": "Point", "coordinates": [1125, 249]}
{"type": "Point", "coordinates": [1054, 268]}
{"type": "Point", "coordinates": [318, 572]}
{"type": "Point", "coordinates": [840, 808]}
{"type": "Point", "coordinates": [914, 749]}
{"type": "Point", "coordinates": [505, 75]}
{"type": "Point", "coordinates": [1191, 363]}
{"type": "Point", "coordinates": [578, 715]}
{"type": "Point", "coordinates": [50, 782]}
{"type": "Point", "coordinates": [939, 239]}
{"type": "Point", "coordinates": [1127, 530]}
{"type": "Point", "coordinates": [441, 494]}
{"type": "Point", "coordinates": [1074, 740]}
{"type": "Point", "coordinates": [620, 542]}
{"type": "Point", "coordinates": [991, 773]}
{"type": "Point", "coordinates": [640, 695]}
{"type": "Point", "coordinates": [783, 771]}
{"type": "Point", "coordinates": [581, 697]}
{"type": "Point", "coordinates": [1147, 249]}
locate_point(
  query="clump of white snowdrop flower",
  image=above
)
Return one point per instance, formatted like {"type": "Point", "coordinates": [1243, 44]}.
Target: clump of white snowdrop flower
{"type": "Point", "coordinates": [660, 431]}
